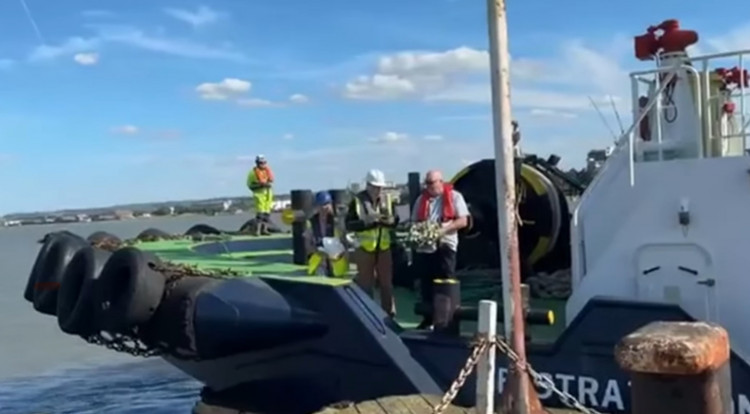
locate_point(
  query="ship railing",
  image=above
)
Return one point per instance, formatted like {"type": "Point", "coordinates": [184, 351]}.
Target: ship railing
{"type": "Point", "coordinates": [740, 93]}
{"type": "Point", "coordinates": [626, 139]}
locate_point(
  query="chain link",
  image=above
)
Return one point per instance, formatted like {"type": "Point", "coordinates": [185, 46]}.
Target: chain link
{"type": "Point", "coordinates": [173, 272]}
{"type": "Point", "coordinates": [480, 347]}
{"type": "Point", "coordinates": [565, 397]}
{"type": "Point", "coordinates": [130, 343]}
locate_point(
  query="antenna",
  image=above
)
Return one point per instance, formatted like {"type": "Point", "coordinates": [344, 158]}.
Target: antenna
{"type": "Point", "coordinates": [617, 114]}
{"type": "Point", "coordinates": [604, 120]}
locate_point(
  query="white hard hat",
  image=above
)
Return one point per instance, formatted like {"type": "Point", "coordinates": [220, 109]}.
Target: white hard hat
{"type": "Point", "coordinates": [375, 178]}
{"type": "Point", "coordinates": [260, 158]}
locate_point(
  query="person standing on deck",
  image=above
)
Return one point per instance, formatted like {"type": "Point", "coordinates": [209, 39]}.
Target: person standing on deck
{"type": "Point", "coordinates": [322, 225]}
{"type": "Point", "coordinates": [438, 203]}
{"type": "Point", "coordinates": [371, 218]}
{"type": "Point", "coordinates": [260, 181]}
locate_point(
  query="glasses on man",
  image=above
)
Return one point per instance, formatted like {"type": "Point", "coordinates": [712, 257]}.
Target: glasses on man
{"type": "Point", "coordinates": [431, 182]}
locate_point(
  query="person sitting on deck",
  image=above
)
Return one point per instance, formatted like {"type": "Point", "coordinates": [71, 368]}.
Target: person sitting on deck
{"type": "Point", "coordinates": [442, 204]}
{"type": "Point", "coordinates": [371, 218]}
{"type": "Point", "coordinates": [259, 181]}
{"type": "Point", "coordinates": [322, 226]}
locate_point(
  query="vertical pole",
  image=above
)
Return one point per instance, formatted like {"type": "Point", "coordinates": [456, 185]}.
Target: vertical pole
{"type": "Point", "coordinates": [487, 327]}
{"type": "Point", "coordinates": [506, 198]}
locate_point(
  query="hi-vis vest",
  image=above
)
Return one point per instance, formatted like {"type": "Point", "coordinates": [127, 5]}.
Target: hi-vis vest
{"type": "Point", "coordinates": [336, 268]}
{"type": "Point", "coordinates": [378, 237]}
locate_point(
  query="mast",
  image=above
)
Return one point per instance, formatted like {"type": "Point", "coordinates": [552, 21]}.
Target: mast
{"type": "Point", "coordinates": [519, 384]}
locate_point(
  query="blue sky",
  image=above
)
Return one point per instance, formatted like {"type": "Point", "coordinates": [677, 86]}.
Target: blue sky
{"type": "Point", "coordinates": [128, 101]}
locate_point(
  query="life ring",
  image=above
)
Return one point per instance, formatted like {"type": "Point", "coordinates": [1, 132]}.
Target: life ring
{"type": "Point", "coordinates": [49, 268]}
{"type": "Point", "coordinates": [128, 290]}
{"type": "Point", "coordinates": [151, 234]}
{"type": "Point", "coordinates": [103, 237]}
{"type": "Point", "coordinates": [200, 229]}
{"type": "Point", "coordinates": [75, 300]}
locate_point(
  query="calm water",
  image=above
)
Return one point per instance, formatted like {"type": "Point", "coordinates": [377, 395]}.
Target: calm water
{"type": "Point", "coordinates": [43, 370]}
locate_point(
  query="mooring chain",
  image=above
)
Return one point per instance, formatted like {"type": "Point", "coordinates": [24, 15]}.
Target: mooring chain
{"type": "Point", "coordinates": [130, 343]}
{"type": "Point", "coordinates": [544, 381]}
{"type": "Point", "coordinates": [480, 347]}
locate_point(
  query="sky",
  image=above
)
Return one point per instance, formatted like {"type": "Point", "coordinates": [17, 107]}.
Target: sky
{"type": "Point", "coordinates": [108, 102]}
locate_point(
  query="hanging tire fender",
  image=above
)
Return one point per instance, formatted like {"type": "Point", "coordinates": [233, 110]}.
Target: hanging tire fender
{"type": "Point", "coordinates": [53, 259]}
{"type": "Point", "coordinates": [75, 300]}
{"type": "Point", "coordinates": [152, 234]}
{"type": "Point", "coordinates": [103, 236]}
{"type": "Point", "coordinates": [128, 290]}
{"type": "Point", "coordinates": [28, 293]}
{"type": "Point", "coordinates": [202, 229]}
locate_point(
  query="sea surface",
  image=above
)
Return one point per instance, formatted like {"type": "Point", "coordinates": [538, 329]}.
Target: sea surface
{"type": "Point", "coordinates": [44, 371]}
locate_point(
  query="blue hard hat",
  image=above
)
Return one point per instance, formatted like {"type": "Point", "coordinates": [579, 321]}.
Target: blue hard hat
{"type": "Point", "coordinates": [322, 198]}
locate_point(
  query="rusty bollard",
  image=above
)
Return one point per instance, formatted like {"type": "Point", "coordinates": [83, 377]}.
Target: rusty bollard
{"type": "Point", "coordinates": [677, 367]}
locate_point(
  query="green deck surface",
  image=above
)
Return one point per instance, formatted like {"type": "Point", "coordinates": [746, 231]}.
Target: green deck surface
{"type": "Point", "coordinates": [261, 261]}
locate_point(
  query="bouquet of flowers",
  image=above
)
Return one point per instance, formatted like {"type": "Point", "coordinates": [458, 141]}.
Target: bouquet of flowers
{"type": "Point", "coordinates": [423, 234]}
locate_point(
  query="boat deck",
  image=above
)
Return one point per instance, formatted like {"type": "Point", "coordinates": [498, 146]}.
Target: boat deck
{"type": "Point", "coordinates": [407, 404]}
{"type": "Point", "coordinates": [271, 257]}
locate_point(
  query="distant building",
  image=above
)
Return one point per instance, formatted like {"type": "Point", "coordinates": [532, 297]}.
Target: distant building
{"type": "Point", "coordinates": [124, 214]}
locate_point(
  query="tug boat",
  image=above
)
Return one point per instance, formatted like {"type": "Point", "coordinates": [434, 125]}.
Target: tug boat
{"type": "Point", "coordinates": [644, 243]}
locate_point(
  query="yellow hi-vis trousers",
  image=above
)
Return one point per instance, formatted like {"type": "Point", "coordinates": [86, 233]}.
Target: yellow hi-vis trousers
{"type": "Point", "coordinates": [316, 263]}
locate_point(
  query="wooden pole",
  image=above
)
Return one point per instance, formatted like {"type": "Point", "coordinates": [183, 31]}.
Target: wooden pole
{"type": "Point", "coordinates": [506, 201]}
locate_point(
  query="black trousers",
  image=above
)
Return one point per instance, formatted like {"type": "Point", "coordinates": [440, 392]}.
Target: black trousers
{"type": "Point", "coordinates": [440, 264]}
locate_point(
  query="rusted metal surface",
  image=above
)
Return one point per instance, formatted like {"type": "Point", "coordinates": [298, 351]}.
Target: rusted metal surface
{"type": "Point", "coordinates": [677, 348]}
{"type": "Point", "coordinates": [707, 393]}
{"type": "Point", "coordinates": [508, 403]}
{"type": "Point", "coordinates": [678, 367]}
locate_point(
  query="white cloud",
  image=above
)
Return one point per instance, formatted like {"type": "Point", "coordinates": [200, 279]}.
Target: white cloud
{"type": "Point", "coordinates": [126, 130]}
{"type": "Point", "coordinates": [468, 117]}
{"type": "Point", "coordinates": [202, 16]}
{"type": "Point", "coordinates": [299, 99]}
{"type": "Point", "coordinates": [256, 103]}
{"type": "Point", "coordinates": [410, 74]}
{"type": "Point", "coordinates": [287, 136]}
{"type": "Point", "coordinates": [462, 75]}
{"type": "Point", "coordinates": [133, 37]}
{"type": "Point", "coordinates": [227, 88]}
{"type": "Point", "coordinates": [551, 113]}
{"type": "Point", "coordinates": [70, 46]}
{"type": "Point", "coordinates": [390, 137]}
{"type": "Point", "coordinates": [86, 59]}
{"type": "Point", "coordinates": [736, 39]}
{"type": "Point", "coordinates": [433, 137]}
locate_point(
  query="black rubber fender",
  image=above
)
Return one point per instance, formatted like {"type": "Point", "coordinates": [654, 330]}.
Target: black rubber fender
{"type": "Point", "coordinates": [103, 236]}
{"type": "Point", "coordinates": [75, 300]}
{"type": "Point", "coordinates": [200, 229]}
{"type": "Point", "coordinates": [172, 324]}
{"type": "Point", "coordinates": [53, 234]}
{"type": "Point", "coordinates": [28, 294]}
{"type": "Point", "coordinates": [128, 290]}
{"type": "Point", "coordinates": [152, 233]}
{"type": "Point", "coordinates": [53, 259]}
